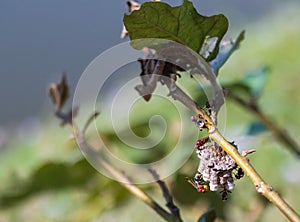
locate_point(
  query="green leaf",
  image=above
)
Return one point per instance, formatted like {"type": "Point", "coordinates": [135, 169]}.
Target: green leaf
{"type": "Point", "coordinates": [256, 80]}
{"type": "Point", "coordinates": [182, 24]}
{"type": "Point", "coordinates": [237, 88]}
{"type": "Point", "coordinates": [208, 216]}
{"type": "Point", "coordinates": [251, 85]}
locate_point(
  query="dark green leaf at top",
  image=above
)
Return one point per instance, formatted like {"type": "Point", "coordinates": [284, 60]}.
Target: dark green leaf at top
{"type": "Point", "coordinates": [182, 24]}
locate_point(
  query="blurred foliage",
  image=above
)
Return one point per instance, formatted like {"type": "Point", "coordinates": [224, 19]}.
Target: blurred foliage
{"type": "Point", "coordinates": [255, 128]}
{"type": "Point", "coordinates": [208, 216]}
{"type": "Point", "coordinates": [49, 177]}
{"type": "Point", "coordinates": [251, 85]}
{"type": "Point", "coordinates": [47, 180]}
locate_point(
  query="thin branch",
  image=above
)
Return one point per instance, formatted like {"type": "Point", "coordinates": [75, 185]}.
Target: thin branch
{"type": "Point", "coordinates": [261, 186]}
{"type": "Point", "coordinates": [280, 134]}
{"type": "Point", "coordinates": [168, 197]}
{"type": "Point", "coordinates": [126, 183]}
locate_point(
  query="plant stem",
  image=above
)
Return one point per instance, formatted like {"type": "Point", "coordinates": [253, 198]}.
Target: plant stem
{"type": "Point", "coordinates": [168, 197]}
{"type": "Point", "coordinates": [278, 132]}
{"type": "Point", "coordinates": [261, 186]}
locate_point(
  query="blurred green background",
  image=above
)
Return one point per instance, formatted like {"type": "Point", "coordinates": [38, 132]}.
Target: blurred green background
{"type": "Point", "coordinates": [45, 178]}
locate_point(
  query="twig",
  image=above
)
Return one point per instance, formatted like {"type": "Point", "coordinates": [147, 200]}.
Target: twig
{"type": "Point", "coordinates": [168, 197]}
{"type": "Point", "coordinates": [278, 132]}
{"type": "Point", "coordinates": [125, 181]}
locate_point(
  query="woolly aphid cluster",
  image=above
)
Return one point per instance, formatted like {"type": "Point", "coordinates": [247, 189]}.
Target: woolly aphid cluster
{"type": "Point", "coordinates": [216, 169]}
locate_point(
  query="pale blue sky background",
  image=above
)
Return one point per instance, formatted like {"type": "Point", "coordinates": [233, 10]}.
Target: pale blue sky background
{"type": "Point", "coordinates": [40, 38]}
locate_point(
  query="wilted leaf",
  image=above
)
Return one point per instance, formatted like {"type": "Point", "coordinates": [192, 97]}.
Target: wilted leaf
{"type": "Point", "coordinates": [59, 92]}
{"type": "Point", "coordinates": [182, 24]}
{"type": "Point", "coordinates": [208, 216]}
{"type": "Point", "coordinates": [132, 6]}
{"type": "Point", "coordinates": [225, 52]}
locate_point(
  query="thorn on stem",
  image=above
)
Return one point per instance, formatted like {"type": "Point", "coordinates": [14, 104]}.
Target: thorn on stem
{"type": "Point", "coordinates": [247, 152]}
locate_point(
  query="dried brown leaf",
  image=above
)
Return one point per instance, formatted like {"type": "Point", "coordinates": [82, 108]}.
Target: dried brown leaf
{"type": "Point", "coordinates": [59, 92]}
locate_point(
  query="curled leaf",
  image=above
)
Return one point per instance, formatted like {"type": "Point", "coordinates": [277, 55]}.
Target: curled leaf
{"type": "Point", "coordinates": [226, 49]}
{"type": "Point", "coordinates": [132, 6]}
{"type": "Point", "coordinates": [59, 92]}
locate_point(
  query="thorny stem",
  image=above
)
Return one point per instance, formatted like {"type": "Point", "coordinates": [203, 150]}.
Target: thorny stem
{"type": "Point", "coordinates": [278, 132]}
{"type": "Point", "coordinates": [124, 181]}
{"type": "Point", "coordinates": [261, 186]}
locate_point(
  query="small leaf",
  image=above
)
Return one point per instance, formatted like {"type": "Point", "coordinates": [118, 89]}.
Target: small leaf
{"type": "Point", "coordinates": [182, 24]}
{"type": "Point", "coordinates": [251, 85]}
{"type": "Point", "coordinates": [225, 52]}
{"type": "Point", "coordinates": [256, 128]}
{"type": "Point", "coordinates": [237, 88]}
{"type": "Point", "coordinates": [59, 92]}
{"type": "Point", "coordinates": [256, 80]}
{"type": "Point", "coordinates": [208, 216]}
